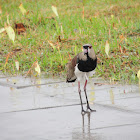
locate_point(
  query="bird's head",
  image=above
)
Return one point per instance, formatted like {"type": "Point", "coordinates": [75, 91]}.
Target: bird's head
{"type": "Point", "coordinates": [87, 48]}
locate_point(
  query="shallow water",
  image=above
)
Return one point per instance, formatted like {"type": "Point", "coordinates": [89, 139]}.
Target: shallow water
{"type": "Point", "coordinates": [49, 109]}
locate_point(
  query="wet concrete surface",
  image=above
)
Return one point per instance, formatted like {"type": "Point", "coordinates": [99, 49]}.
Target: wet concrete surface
{"type": "Point", "coordinates": [47, 109]}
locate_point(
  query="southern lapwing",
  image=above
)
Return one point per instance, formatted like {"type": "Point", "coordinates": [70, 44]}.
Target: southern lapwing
{"type": "Point", "coordinates": [81, 67]}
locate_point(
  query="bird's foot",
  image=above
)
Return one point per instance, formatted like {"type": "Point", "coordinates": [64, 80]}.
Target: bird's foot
{"type": "Point", "coordinates": [83, 112]}
{"type": "Point", "coordinates": [88, 108]}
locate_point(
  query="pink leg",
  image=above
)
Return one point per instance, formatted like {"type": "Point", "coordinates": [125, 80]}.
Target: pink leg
{"type": "Point", "coordinates": [88, 107]}
{"type": "Point", "coordinates": [85, 85]}
{"type": "Point", "coordinates": [79, 86]}
{"type": "Point", "coordinates": [83, 112]}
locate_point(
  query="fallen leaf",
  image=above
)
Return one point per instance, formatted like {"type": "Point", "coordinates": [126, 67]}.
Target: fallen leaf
{"type": "Point", "coordinates": [17, 65]}
{"type": "Point", "coordinates": [9, 54]}
{"type": "Point", "coordinates": [22, 9]}
{"type": "Point", "coordinates": [27, 12]}
{"type": "Point", "coordinates": [10, 32]}
{"type": "Point", "coordinates": [69, 56]}
{"type": "Point", "coordinates": [124, 50]}
{"type": "Point", "coordinates": [62, 32]}
{"type": "Point", "coordinates": [107, 48]}
{"type": "Point", "coordinates": [95, 43]}
{"type": "Point", "coordinates": [112, 16]}
{"type": "Point", "coordinates": [20, 28]}
{"type": "Point", "coordinates": [55, 10]}
{"type": "Point", "coordinates": [0, 10]}
{"type": "Point", "coordinates": [111, 96]}
{"type": "Point", "coordinates": [37, 68]}
{"type": "Point", "coordinates": [113, 25]}
{"type": "Point", "coordinates": [8, 20]}
{"type": "Point", "coordinates": [2, 30]}
{"type": "Point", "coordinates": [100, 84]}
{"type": "Point", "coordinates": [114, 67]}
{"type": "Point", "coordinates": [14, 81]}
{"type": "Point", "coordinates": [92, 97]}
{"type": "Point", "coordinates": [121, 36]}
{"type": "Point", "coordinates": [7, 58]}
{"type": "Point", "coordinates": [52, 45]}
{"type": "Point", "coordinates": [16, 50]}
{"type": "Point", "coordinates": [120, 49]}
{"type": "Point", "coordinates": [95, 16]}
{"type": "Point", "coordinates": [138, 75]}
{"type": "Point", "coordinates": [125, 39]}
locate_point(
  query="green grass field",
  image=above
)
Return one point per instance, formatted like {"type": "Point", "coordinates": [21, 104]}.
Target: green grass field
{"type": "Point", "coordinates": [113, 20]}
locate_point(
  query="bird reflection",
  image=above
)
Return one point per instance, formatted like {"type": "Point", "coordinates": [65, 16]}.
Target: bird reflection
{"type": "Point", "coordinates": [86, 127]}
{"type": "Point", "coordinates": [86, 131]}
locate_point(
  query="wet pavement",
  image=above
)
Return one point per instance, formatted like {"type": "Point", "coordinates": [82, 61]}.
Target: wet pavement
{"type": "Point", "coordinates": [49, 109]}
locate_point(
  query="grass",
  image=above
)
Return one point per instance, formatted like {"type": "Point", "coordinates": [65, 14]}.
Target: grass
{"type": "Point", "coordinates": [102, 21]}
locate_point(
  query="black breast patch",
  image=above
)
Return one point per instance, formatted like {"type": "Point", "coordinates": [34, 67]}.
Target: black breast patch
{"type": "Point", "coordinates": [88, 65]}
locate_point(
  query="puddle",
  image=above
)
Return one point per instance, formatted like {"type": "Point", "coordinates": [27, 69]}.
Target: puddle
{"type": "Point", "coordinates": [45, 93]}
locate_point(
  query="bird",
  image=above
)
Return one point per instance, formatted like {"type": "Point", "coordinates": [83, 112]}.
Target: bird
{"type": "Point", "coordinates": [81, 67]}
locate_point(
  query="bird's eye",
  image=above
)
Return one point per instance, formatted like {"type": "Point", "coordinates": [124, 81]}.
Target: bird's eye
{"type": "Point", "coordinates": [90, 47]}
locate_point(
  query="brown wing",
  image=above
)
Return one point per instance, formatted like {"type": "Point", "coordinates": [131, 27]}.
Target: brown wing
{"type": "Point", "coordinates": [70, 68]}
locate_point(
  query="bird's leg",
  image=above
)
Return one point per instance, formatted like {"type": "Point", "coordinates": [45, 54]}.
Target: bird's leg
{"type": "Point", "coordinates": [88, 107]}
{"type": "Point", "coordinates": [82, 111]}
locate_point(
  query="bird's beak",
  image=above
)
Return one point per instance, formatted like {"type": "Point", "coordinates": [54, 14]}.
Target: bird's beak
{"type": "Point", "coordinates": [85, 51]}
